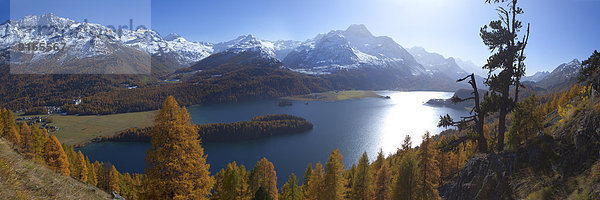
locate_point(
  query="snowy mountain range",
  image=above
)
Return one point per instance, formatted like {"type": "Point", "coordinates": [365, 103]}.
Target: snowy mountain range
{"type": "Point", "coordinates": [87, 44]}
{"type": "Point", "coordinates": [93, 48]}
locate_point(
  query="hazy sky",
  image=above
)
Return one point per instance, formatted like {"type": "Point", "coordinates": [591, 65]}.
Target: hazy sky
{"type": "Point", "coordinates": [561, 30]}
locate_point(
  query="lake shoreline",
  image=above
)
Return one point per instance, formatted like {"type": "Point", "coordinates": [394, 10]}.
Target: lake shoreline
{"type": "Point", "coordinates": [77, 139]}
{"type": "Point", "coordinates": [354, 126]}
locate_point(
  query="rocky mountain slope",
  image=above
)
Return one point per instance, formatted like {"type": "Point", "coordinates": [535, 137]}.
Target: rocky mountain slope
{"type": "Point", "coordinates": [562, 162]}
{"type": "Point", "coordinates": [564, 73]}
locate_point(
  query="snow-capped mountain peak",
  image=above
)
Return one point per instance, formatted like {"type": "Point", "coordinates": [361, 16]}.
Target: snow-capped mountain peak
{"type": "Point", "coordinates": [50, 20]}
{"type": "Point", "coordinates": [246, 43]}
{"type": "Point", "coordinates": [352, 48]}
{"type": "Point", "coordinates": [569, 68]}
{"type": "Point", "coordinates": [563, 73]}
{"type": "Point", "coordinates": [174, 36]}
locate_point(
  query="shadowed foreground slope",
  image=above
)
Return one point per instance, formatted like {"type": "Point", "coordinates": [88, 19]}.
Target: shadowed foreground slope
{"type": "Point", "coordinates": [25, 179]}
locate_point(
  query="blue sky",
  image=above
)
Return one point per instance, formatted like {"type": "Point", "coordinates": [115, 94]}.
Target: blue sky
{"type": "Point", "coordinates": [561, 29]}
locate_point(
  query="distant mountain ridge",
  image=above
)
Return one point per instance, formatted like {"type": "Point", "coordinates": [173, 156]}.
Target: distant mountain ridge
{"type": "Point", "coordinates": [538, 76]}
{"type": "Point", "coordinates": [437, 64]}
{"type": "Point", "coordinates": [351, 58]}
{"type": "Point", "coordinates": [354, 52]}
{"type": "Point", "coordinates": [564, 73]}
{"type": "Point", "coordinates": [94, 41]}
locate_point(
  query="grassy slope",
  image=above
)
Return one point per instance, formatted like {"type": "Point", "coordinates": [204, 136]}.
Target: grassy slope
{"type": "Point", "coordinates": [25, 179]}
{"type": "Point", "coordinates": [81, 129]}
{"type": "Point", "coordinates": [334, 96]}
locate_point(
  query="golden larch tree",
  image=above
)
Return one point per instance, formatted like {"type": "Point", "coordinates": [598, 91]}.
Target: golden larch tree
{"type": "Point", "coordinates": [305, 180]}
{"type": "Point", "coordinates": [113, 179]}
{"type": "Point", "coordinates": [13, 136]}
{"type": "Point", "coordinates": [82, 174]}
{"type": "Point", "coordinates": [56, 158]}
{"type": "Point", "coordinates": [429, 168]}
{"type": "Point", "coordinates": [232, 183]}
{"type": "Point", "coordinates": [92, 177]}
{"type": "Point", "coordinates": [177, 167]}
{"type": "Point", "coordinates": [334, 181]}
{"type": "Point", "coordinates": [2, 122]}
{"type": "Point", "coordinates": [72, 157]}
{"type": "Point", "coordinates": [263, 175]}
{"type": "Point", "coordinates": [291, 190]}
{"type": "Point", "coordinates": [27, 145]}
{"type": "Point", "coordinates": [383, 182]}
{"type": "Point", "coordinates": [11, 132]}
{"type": "Point", "coordinates": [362, 181]}
{"type": "Point", "coordinates": [406, 182]}
{"type": "Point", "coordinates": [315, 183]}
{"type": "Point", "coordinates": [39, 142]}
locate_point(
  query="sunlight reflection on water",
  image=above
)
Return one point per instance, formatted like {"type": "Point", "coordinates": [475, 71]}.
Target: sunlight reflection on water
{"type": "Point", "coordinates": [408, 116]}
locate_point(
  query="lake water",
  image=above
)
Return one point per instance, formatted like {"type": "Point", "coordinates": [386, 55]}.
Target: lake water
{"type": "Point", "coordinates": [353, 126]}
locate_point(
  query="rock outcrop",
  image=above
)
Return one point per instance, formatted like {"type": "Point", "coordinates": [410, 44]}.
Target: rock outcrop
{"type": "Point", "coordinates": [571, 149]}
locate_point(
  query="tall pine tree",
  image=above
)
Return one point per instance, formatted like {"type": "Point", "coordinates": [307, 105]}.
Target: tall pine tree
{"type": "Point", "coordinates": [82, 173]}
{"type": "Point", "coordinates": [501, 37]}
{"type": "Point", "coordinates": [92, 177]}
{"type": "Point", "coordinates": [383, 190]}
{"type": "Point", "coordinates": [405, 186]}
{"type": "Point", "coordinates": [113, 180]}
{"type": "Point", "coordinates": [429, 168]}
{"type": "Point", "coordinates": [56, 158]}
{"type": "Point", "coordinates": [39, 142]}
{"type": "Point", "coordinates": [2, 122]}
{"type": "Point", "coordinates": [334, 180]}
{"type": "Point", "coordinates": [291, 190]}
{"type": "Point", "coordinates": [232, 184]}
{"type": "Point", "coordinates": [315, 183]}
{"type": "Point", "coordinates": [362, 180]}
{"type": "Point", "coordinates": [177, 164]}
{"type": "Point", "coordinates": [27, 138]}
{"type": "Point", "coordinates": [263, 175]}
{"type": "Point", "coordinates": [305, 181]}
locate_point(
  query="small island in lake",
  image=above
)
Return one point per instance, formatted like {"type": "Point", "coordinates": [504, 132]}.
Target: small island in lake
{"type": "Point", "coordinates": [285, 103]}
{"type": "Point", "coordinates": [335, 95]}
{"type": "Point", "coordinates": [258, 127]}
